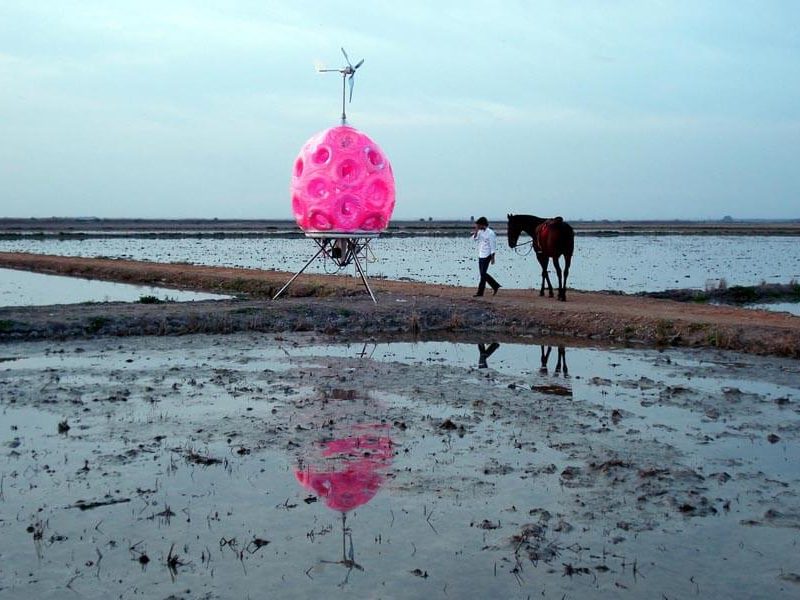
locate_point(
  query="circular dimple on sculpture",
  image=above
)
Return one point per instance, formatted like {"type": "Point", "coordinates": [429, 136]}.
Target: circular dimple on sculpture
{"type": "Point", "coordinates": [319, 221]}
{"type": "Point", "coordinates": [377, 193]}
{"type": "Point", "coordinates": [373, 222]}
{"type": "Point", "coordinates": [321, 155]}
{"type": "Point", "coordinates": [343, 138]}
{"type": "Point", "coordinates": [349, 206]}
{"type": "Point", "coordinates": [318, 189]}
{"type": "Point", "coordinates": [374, 158]}
{"type": "Point", "coordinates": [298, 167]}
{"type": "Point", "coordinates": [348, 170]}
{"type": "Point", "coordinates": [298, 206]}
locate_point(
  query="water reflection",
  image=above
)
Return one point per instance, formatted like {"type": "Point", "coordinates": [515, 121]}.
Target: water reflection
{"type": "Point", "coordinates": [484, 352]}
{"type": "Point", "coordinates": [504, 494]}
{"type": "Point", "coordinates": [561, 370]}
{"type": "Point", "coordinates": [346, 473]}
{"type": "Point", "coordinates": [561, 361]}
{"type": "Point", "coordinates": [366, 351]}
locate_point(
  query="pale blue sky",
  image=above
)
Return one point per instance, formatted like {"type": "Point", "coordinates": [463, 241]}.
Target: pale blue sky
{"type": "Point", "coordinates": [592, 110]}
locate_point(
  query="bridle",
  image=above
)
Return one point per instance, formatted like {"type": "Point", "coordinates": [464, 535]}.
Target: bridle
{"type": "Point", "coordinates": [522, 245]}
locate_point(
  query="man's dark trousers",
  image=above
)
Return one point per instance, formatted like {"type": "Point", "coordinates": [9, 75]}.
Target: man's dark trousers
{"type": "Point", "coordinates": [483, 267]}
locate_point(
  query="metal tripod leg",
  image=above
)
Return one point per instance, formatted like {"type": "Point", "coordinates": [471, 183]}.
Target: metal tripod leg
{"type": "Point", "coordinates": [363, 278]}
{"type": "Point", "coordinates": [296, 275]}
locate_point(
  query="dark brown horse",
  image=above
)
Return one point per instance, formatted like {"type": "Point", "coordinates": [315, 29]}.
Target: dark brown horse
{"type": "Point", "coordinates": [550, 238]}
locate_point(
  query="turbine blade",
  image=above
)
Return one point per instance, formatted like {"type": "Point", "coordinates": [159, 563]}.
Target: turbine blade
{"type": "Point", "coordinates": [351, 82]}
{"type": "Point", "coordinates": [346, 58]}
{"type": "Point", "coordinates": [361, 62]}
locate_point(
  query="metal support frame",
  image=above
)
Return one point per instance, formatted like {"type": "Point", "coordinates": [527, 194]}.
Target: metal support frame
{"type": "Point", "coordinates": [342, 249]}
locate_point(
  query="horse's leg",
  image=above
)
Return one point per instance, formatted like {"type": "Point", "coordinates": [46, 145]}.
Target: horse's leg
{"type": "Point", "coordinates": [561, 365]}
{"type": "Point", "coordinates": [558, 272]}
{"type": "Point", "coordinates": [543, 260]}
{"type": "Point", "coordinates": [563, 291]}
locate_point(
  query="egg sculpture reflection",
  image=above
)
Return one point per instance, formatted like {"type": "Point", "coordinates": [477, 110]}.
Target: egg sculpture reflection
{"type": "Point", "coordinates": [348, 472]}
{"type": "Point", "coordinates": [342, 182]}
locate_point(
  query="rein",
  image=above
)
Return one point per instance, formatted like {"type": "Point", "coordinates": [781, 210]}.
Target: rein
{"type": "Point", "coordinates": [522, 245]}
{"type": "Point", "coordinates": [529, 228]}
{"type": "Point", "coordinates": [528, 243]}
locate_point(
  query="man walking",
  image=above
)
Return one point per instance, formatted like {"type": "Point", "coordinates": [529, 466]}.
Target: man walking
{"type": "Point", "coordinates": [487, 245]}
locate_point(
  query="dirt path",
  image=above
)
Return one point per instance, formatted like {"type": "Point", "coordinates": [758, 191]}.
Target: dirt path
{"type": "Point", "coordinates": [338, 305]}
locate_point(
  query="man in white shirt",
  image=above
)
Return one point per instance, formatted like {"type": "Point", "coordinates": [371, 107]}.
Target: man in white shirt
{"type": "Point", "coordinates": [487, 246]}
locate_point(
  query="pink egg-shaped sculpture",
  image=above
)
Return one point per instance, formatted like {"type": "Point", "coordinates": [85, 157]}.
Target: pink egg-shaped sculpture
{"type": "Point", "coordinates": [342, 182]}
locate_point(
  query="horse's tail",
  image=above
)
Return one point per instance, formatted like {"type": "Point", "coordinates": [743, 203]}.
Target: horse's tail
{"type": "Point", "coordinates": [566, 233]}
{"type": "Point", "coordinates": [569, 242]}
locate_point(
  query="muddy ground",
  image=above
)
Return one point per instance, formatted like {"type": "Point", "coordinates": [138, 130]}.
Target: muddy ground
{"type": "Point", "coordinates": [339, 306]}
{"type": "Point", "coordinates": [221, 467]}
{"type": "Point", "coordinates": [284, 459]}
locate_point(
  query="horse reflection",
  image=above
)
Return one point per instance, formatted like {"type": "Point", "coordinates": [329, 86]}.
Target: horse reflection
{"type": "Point", "coordinates": [549, 386]}
{"type": "Point", "coordinates": [347, 473]}
{"type": "Point", "coordinates": [484, 352]}
{"type": "Point", "coordinates": [561, 362]}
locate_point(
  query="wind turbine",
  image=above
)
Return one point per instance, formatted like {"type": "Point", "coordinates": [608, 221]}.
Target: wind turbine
{"type": "Point", "coordinates": [348, 73]}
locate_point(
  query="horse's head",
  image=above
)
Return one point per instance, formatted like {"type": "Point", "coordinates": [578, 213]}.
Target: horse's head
{"type": "Point", "coordinates": [514, 229]}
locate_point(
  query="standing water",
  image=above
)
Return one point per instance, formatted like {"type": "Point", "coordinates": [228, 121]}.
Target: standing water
{"type": "Point", "coordinates": [630, 264]}
{"type": "Point", "coordinates": [254, 466]}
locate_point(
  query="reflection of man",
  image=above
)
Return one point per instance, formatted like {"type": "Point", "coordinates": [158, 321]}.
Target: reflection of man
{"type": "Point", "coordinates": [486, 352]}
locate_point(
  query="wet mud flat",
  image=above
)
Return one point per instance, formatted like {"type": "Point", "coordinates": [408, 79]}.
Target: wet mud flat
{"type": "Point", "coordinates": [255, 465]}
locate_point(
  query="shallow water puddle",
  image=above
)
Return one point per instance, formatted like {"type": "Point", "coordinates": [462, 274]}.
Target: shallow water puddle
{"type": "Point", "coordinates": [250, 466]}
{"type": "Point", "coordinates": [21, 288]}
{"type": "Point", "coordinates": [789, 307]}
